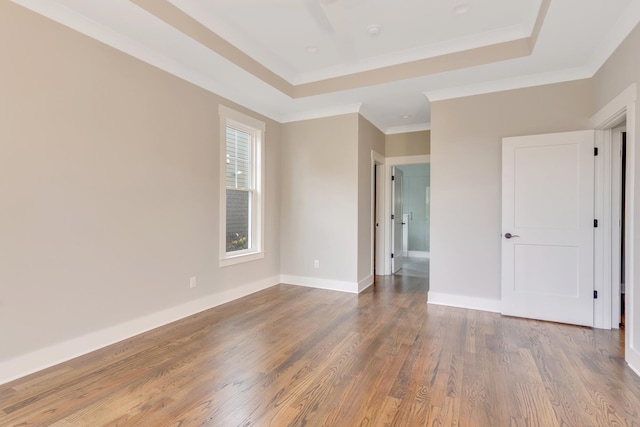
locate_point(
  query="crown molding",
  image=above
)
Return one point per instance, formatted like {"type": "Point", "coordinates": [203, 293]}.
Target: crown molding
{"type": "Point", "coordinates": [502, 85]}
{"type": "Point", "coordinates": [627, 22]}
{"type": "Point", "coordinates": [408, 128]}
{"type": "Point", "coordinates": [337, 110]}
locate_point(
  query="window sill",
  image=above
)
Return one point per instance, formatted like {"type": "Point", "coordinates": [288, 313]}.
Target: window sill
{"type": "Point", "coordinates": [239, 259]}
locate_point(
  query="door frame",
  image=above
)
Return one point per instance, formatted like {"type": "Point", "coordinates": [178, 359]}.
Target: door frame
{"type": "Point", "coordinates": [397, 200]}
{"type": "Point", "coordinates": [621, 108]}
{"type": "Point", "coordinates": [616, 215]}
{"type": "Point", "coordinates": [607, 253]}
{"type": "Point", "coordinates": [378, 193]}
{"type": "Point", "coordinates": [390, 162]}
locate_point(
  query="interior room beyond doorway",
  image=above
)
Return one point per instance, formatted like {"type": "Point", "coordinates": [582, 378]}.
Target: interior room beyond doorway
{"type": "Point", "coordinates": [415, 220]}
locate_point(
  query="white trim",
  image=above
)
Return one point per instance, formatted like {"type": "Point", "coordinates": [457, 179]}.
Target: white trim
{"type": "Point", "coordinates": [337, 110]}
{"type": "Point", "coordinates": [319, 283]}
{"type": "Point", "coordinates": [417, 127]}
{"type": "Point", "coordinates": [614, 231]}
{"type": "Point", "coordinates": [174, 66]}
{"type": "Point", "coordinates": [419, 254]}
{"type": "Point", "coordinates": [502, 85]}
{"type": "Point", "coordinates": [225, 29]}
{"type": "Point", "coordinates": [602, 245]}
{"type": "Point", "coordinates": [257, 129]}
{"type": "Point", "coordinates": [607, 243]}
{"type": "Point", "coordinates": [52, 355]}
{"type": "Point", "coordinates": [632, 349]}
{"type": "Point", "coordinates": [633, 360]}
{"type": "Point", "coordinates": [239, 259]}
{"type": "Point", "coordinates": [616, 110]}
{"type": "Point", "coordinates": [621, 107]}
{"type": "Point", "coordinates": [365, 283]}
{"type": "Point", "coordinates": [377, 185]}
{"type": "Point", "coordinates": [615, 36]}
{"type": "Point", "coordinates": [245, 119]}
{"type": "Point", "coordinates": [436, 51]}
{"type": "Point", "coordinates": [408, 160]}
{"type": "Point", "coordinates": [462, 301]}
{"type": "Point", "coordinates": [390, 162]}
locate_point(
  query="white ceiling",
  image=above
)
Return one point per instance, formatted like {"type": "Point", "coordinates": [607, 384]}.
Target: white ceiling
{"type": "Point", "coordinates": [277, 31]}
{"type": "Point", "coordinates": [575, 38]}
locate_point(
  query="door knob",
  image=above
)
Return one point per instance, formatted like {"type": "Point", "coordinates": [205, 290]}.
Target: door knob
{"type": "Point", "coordinates": [509, 235]}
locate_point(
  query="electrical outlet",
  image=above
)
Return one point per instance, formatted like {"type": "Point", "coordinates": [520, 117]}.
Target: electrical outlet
{"type": "Point", "coordinates": [193, 282]}
{"type": "Point", "coordinates": [316, 263]}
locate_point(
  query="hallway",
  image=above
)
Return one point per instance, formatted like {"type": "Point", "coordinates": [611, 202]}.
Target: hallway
{"type": "Point", "coordinates": [415, 267]}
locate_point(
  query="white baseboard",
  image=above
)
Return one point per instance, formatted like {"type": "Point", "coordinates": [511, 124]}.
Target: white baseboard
{"type": "Point", "coordinates": [632, 357]}
{"type": "Point", "coordinates": [315, 282]}
{"type": "Point", "coordinates": [365, 283]}
{"type": "Point", "coordinates": [483, 304]}
{"type": "Point", "coordinates": [418, 254]}
{"type": "Point", "coordinates": [49, 356]}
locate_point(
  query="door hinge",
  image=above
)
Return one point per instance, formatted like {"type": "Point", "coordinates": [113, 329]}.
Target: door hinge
{"type": "Point", "coordinates": [393, 177]}
{"type": "Point", "coordinates": [595, 151]}
{"type": "Point", "coordinates": [393, 217]}
{"type": "Point", "coordinates": [595, 223]}
{"type": "Point", "coordinates": [391, 255]}
{"type": "Point", "coordinates": [595, 294]}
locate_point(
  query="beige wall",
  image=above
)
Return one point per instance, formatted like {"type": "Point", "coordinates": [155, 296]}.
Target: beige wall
{"type": "Point", "coordinates": [466, 176]}
{"type": "Point", "coordinates": [319, 208]}
{"type": "Point", "coordinates": [326, 200]}
{"type": "Point", "coordinates": [369, 138]}
{"type": "Point", "coordinates": [408, 144]}
{"type": "Point", "coordinates": [109, 181]}
{"type": "Point", "coordinates": [619, 72]}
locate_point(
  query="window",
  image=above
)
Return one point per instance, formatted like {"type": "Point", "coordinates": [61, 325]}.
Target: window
{"type": "Point", "coordinates": [241, 201]}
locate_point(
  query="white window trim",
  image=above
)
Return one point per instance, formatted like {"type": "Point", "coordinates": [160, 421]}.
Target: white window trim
{"type": "Point", "coordinates": [229, 116]}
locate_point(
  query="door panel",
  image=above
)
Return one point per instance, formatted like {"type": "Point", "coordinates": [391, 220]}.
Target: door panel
{"type": "Point", "coordinates": [417, 208]}
{"type": "Point", "coordinates": [397, 221]}
{"type": "Point", "coordinates": [547, 205]}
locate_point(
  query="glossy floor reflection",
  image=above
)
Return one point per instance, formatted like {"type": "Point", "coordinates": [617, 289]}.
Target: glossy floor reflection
{"type": "Point", "coordinates": [415, 267]}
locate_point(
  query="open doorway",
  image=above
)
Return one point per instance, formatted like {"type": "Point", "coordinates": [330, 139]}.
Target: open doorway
{"type": "Point", "coordinates": [623, 155]}
{"type": "Point", "coordinates": [378, 214]}
{"type": "Point", "coordinates": [618, 207]}
{"type": "Point", "coordinates": [621, 109]}
{"type": "Point", "coordinates": [411, 219]}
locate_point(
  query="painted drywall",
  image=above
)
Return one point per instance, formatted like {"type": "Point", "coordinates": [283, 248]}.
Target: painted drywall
{"type": "Point", "coordinates": [109, 192]}
{"type": "Point", "coordinates": [319, 201]}
{"type": "Point", "coordinates": [620, 71]}
{"type": "Point", "coordinates": [415, 204]}
{"type": "Point", "coordinates": [369, 138]}
{"type": "Point", "coordinates": [466, 179]}
{"type": "Point", "coordinates": [408, 144]}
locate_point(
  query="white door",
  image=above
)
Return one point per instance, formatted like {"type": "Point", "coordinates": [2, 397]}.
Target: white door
{"type": "Point", "coordinates": [396, 197]}
{"type": "Point", "coordinates": [405, 234]}
{"type": "Point", "coordinates": [547, 227]}
{"type": "Point", "coordinates": [416, 207]}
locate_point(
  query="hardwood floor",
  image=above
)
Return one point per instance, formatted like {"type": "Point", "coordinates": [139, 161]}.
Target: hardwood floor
{"type": "Point", "coordinates": [292, 356]}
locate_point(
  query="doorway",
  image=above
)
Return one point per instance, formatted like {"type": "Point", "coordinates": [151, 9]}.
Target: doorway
{"type": "Point", "coordinates": [623, 175]}
{"type": "Point", "coordinates": [621, 109]}
{"type": "Point", "coordinates": [382, 170]}
{"type": "Point", "coordinates": [618, 226]}
{"type": "Point", "coordinates": [411, 219]}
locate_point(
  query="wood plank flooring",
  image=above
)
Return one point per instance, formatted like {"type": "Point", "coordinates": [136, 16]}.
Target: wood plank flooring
{"type": "Point", "coordinates": [292, 356]}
